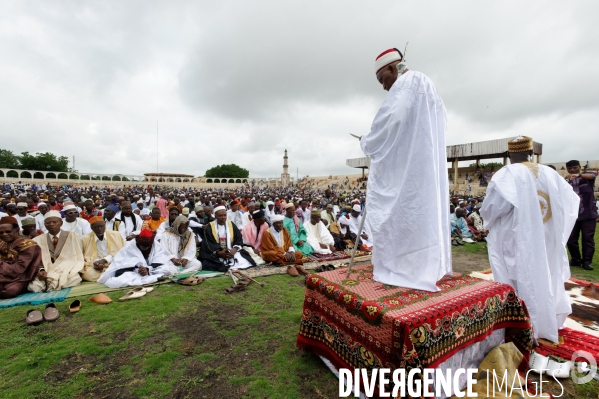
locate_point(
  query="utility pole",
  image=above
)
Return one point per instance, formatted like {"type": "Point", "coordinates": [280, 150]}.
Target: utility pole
{"type": "Point", "coordinates": [297, 174]}
{"type": "Point", "coordinates": [156, 145]}
{"type": "Point", "coordinates": [74, 164]}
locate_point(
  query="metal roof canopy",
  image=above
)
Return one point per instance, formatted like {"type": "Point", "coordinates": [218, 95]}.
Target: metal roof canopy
{"type": "Point", "coordinates": [464, 152]}
{"type": "Point", "coordinates": [484, 150]}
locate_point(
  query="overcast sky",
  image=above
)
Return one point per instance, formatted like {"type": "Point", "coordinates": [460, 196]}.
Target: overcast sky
{"type": "Point", "coordinates": [240, 81]}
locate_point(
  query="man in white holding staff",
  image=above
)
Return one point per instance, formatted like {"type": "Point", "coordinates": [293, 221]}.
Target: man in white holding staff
{"type": "Point", "coordinates": [408, 167]}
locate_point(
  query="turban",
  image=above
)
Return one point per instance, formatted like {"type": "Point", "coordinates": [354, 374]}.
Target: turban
{"type": "Point", "coordinates": [357, 208]}
{"type": "Point", "coordinates": [22, 205]}
{"type": "Point", "coordinates": [277, 218]}
{"type": "Point", "coordinates": [219, 208]}
{"type": "Point", "coordinates": [520, 144]}
{"type": "Point", "coordinates": [113, 208]}
{"type": "Point", "coordinates": [289, 205]}
{"type": "Point", "coordinates": [269, 203]}
{"type": "Point", "coordinates": [8, 220]}
{"type": "Point", "coordinates": [569, 164]}
{"type": "Point", "coordinates": [27, 222]}
{"type": "Point", "coordinates": [96, 219]}
{"type": "Point", "coordinates": [258, 214]}
{"type": "Point", "coordinates": [52, 214]}
{"type": "Point", "coordinates": [387, 57]}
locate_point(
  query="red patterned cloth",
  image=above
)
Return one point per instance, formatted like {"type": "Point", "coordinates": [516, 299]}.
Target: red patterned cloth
{"type": "Point", "coordinates": [328, 257]}
{"type": "Point", "coordinates": [572, 341]}
{"type": "Point", "coordinates": [360, 323]}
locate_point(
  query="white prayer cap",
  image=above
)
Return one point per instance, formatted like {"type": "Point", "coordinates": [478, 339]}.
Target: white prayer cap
{"type": "Point", "coordinates": [52, 214]}
{"type": "Point", "coordinates": [219, 208]}
{"type": "Point", "coordinates": [387, 57]}
{"type": "Point", "coordinates": [41, 203]}
{"type": "Point", "coordinates": [68, 207]}
{"type": "Point", "coordinates": [357, 208]}
{"type": "Point", "coordinates": [140, 201]}
{"type": "Point", "coordinates": [277, 218]}
{"type": "Point", "coordinates": [144, 211]}
{"type": "Point", "coordinates": [22, 205]}
{"type": "Point", "coordinates": [289, 205]}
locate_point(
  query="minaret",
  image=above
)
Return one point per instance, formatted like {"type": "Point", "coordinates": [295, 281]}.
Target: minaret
{"type": "Point", "coordinates": [285, 178]}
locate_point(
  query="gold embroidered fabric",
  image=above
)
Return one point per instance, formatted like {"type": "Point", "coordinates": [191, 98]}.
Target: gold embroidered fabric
{"type": "Point", "coordinates": [545, 204]}
{"type": "Point", "coordinates": [533, 167]}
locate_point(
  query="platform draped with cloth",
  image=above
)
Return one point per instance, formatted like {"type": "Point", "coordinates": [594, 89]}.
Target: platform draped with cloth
{"type": "Point", "coordinates": [361, 323]}
{"type": "Point", "coordinates": [408, 167]}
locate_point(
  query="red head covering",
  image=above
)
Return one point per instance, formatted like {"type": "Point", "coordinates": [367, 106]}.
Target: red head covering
{"type": "Point", "coordinates": [8, 220]}
{"type": "Point", "coordinates": [146, 233]}
{"type": "Point", "coordinates": [234, 202]}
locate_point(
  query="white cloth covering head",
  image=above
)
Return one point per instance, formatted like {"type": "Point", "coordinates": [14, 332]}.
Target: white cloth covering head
{"type": "Point", "coordinates": [140, 201]}
{"type": "Point", "coordinates": [68, 207]}
{"type": "Point", "coordinates": [387, 57]}
{"type": "Point", "coordinates": [277, 218]}
{"type": "Point", "coordinates": [52, 214]}
{"type": "Point", "coordinates": [357, 208]}
{"type": "Point", "coordinates": [269, 203]}
{"type": "Point", "coordinates": [219, 208]}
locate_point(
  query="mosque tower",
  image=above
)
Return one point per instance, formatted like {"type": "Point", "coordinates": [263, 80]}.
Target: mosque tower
{"type": "Point", "coordinates": [285, 178]}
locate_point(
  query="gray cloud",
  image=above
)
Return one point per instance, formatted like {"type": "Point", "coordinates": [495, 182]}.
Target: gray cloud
{"type": "Point", "coordinates": [241, 81]}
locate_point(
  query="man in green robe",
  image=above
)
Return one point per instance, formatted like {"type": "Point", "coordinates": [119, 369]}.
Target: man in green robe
{"type": "Point", "coordinates": [296, 230]}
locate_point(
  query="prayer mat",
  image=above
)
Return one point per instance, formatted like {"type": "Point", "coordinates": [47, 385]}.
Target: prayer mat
{"type": "Point", "coordinates": [201, 273]}
{"type": "Point", "coordinates": [328, 257]}
{"type": "Point", "coordinates": [360, 323]}
{"type": "Point", "coordinates": [36, 298]}
{"type": "Point", "coordinates": [92, 288]}
{"type": "Point", "coordinates": [570, 342]}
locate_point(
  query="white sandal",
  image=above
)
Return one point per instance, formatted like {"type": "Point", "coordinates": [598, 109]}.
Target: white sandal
{"type": "Point", "coordinates": [559, 369]}
{"type": "Point", "coordinates": [133, 294]}
{"type": "Point", "coordinates": [538, 363]}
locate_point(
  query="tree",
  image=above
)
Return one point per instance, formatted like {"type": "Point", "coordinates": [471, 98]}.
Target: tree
{"type": "Point", "coordinates": [230, 170]}
{"type": "Point", "coordinates": [45, 161]}
{"type": "Point", "coordinates": [487, 165]}
{"type": "Point", "coordinates": [9, 160]}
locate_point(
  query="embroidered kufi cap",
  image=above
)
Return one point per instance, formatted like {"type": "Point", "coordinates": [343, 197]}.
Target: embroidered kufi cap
{"type": "Point", "coordinates": [520, 144]}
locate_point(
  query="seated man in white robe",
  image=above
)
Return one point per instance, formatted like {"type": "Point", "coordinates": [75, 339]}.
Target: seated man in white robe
{"type": "Point", "coordinates": [141, 261]}
{"type": "Point", "coordinates": [222, 247]}
{"type": "Point", "coordinates": [62, 257]}
{"type": "Point", "coordinates": [72, 222]}
{"type": "Point", "coordinates": [352, 221]}
{"type": "Point", "coordinates": [180, 245]}
{"type": "Point", "coordinates": [236, 216]}
{"type": "Point", "coordinates": [319, 236]}
{"type": "Point", "coordinates": [99, 248]}
{"type": "Point", "coordinates": [130, 222]}
{"type": "Point", "coordinates": [112, 221]}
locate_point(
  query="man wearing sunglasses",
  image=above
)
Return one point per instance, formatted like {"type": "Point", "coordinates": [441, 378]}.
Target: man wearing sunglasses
{"type": "Point", "coordinates": [72, 222]}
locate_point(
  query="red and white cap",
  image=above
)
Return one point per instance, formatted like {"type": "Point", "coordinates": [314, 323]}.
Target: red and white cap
{"type": "Point", "coordinates": [387, 57]}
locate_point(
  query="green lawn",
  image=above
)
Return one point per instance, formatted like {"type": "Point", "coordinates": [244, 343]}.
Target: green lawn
{"type": "Point", "coordinates": [179, 342]}
{"type": "Point", "coordinates": [589, 275]}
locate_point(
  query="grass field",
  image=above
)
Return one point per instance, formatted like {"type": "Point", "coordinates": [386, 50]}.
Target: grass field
{"type": "Point", "coordinates": [178, 342]}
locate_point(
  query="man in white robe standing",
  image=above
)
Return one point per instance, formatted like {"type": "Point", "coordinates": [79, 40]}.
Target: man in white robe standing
{"type": "Point", "coordinates": [529, 211]}
{"type": "Point", "coordinates": [408, 167]}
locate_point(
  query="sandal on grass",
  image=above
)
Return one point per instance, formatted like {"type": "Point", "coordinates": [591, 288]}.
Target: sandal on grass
{"type": "Point", "coordinates": [235, 288]}
{"type": "Point", "coordinates": [192, 280]}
